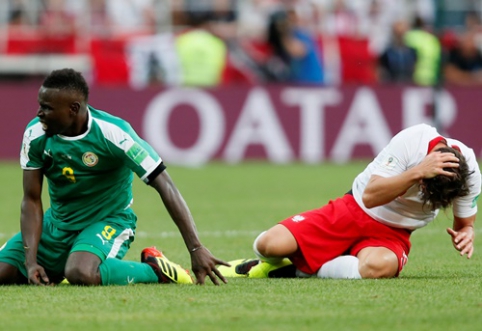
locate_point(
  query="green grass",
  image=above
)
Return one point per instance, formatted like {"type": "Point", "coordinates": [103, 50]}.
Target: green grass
{"type": "Point", "coordinates": [437, 290]}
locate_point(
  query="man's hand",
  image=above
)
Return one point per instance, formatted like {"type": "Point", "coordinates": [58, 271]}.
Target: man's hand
{"type": "Point", "coordinates": [463, 240]}
{"type": "Point", "coordinates": [37, 275]}
{"type": "Point", "coordinates": [204, 264]}
{"type": "Point", "coordinates": [434, 163]}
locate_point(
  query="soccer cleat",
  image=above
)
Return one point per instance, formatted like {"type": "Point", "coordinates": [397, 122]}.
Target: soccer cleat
{"type": "Point", "coordinates": [284, 269]}
{"type": "Point", "coordinates": [238, 268]}
{"type": "Point", "coordinates": [166, 271]}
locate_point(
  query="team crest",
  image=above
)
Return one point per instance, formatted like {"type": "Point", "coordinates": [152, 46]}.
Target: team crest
{"type": "Point", "coordinates": [90, 159]}
{"type": "Point", "coordinates": [389, 163]}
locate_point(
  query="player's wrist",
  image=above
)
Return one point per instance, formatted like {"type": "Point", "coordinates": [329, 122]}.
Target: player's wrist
{"type": "Point", "coordinates": [195, 248]}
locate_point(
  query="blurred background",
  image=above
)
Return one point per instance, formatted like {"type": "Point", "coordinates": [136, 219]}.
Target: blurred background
{"type": "Point", "coordinates": [230, 74]}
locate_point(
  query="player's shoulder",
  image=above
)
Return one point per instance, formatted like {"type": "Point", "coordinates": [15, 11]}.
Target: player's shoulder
{"type": "Point", "coordinates": [416, 134]}
{"type": "Point", "coordinates": [466, 151]}
{"type": "Point", "coordinates": [421, 128]}
{"type": "Point", "coordinates": [108, 120]}
{"type": "Point", "coordinates": [34, 130]}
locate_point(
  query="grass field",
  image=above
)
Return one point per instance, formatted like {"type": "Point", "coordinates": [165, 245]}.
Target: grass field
{"type": "Point", "coordinates": [438, 290]}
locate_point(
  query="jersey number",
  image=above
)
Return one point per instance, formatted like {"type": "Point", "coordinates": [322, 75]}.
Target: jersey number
{"type": "Point", "coordinates": [108, 232]}
{"type": "Point", "coordinates": [69, 174]}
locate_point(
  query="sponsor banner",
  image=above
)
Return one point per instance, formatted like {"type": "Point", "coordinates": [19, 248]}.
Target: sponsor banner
{"type": "Point", "coordinates": [279, 123]}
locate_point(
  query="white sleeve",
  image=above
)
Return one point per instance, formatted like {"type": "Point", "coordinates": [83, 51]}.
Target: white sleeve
{"type": "Point", "coordinates": [398, 156]}
{"type": "Point", "coordinates": [467, 206]}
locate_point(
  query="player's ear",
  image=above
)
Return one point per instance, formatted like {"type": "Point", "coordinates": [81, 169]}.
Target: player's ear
{"type": "Point", "coordinates": [75, 107]}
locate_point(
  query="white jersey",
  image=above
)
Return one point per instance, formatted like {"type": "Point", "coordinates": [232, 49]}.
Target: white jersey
{"type": "Point", "coordinates": [407, 149]}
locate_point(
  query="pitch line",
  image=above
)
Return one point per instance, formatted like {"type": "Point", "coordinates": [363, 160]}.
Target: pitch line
{"type": "Point", "coordinates": [175, 234]}
{"type": "Point", "coordinates": [233, 233]}
{"type": "Point", "coordinates": [217, 234]}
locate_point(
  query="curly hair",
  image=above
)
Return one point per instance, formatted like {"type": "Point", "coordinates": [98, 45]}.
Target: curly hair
{"type": "Point", "coordinates": [67, 79]}
{"type": "Point", "coordinates": [440, 191]}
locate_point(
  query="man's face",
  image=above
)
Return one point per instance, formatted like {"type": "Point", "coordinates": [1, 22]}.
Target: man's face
{"type": "Point", "coordinates": [55, 110]}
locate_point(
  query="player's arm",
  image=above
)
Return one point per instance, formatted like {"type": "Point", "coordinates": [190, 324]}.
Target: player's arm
{"type": "Point", "coordinates": [463, 235]}
{"type": "Point", "coordinates": [381, 190]}
{"type": "Point", "coordinates": [203, 262]}
{"type": "Point", "coordinates": [31, 219]}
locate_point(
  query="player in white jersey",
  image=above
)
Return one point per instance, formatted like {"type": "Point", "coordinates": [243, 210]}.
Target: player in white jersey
{"type": "Point", "coordinates": [88, 158]}
{"type": "Point", "coordinates": [366, 233]}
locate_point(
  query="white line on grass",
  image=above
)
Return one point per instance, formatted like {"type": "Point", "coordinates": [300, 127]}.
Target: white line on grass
{"type": "Point", "coordinates": [172, 234]}
{"type": "Point", "coordinates": [231, 233]}
{"type": "Point", "coordinates": [226, 233]}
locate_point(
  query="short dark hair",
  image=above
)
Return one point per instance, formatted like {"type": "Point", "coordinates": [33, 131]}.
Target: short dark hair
{"type": "Point", "coordinates": [67, 79]}
{"type": "Point", "coordinates": [440, 191]}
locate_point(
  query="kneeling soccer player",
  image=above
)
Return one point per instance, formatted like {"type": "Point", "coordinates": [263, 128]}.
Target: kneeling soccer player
{"type": "Point", "coordinates": [366, 233]}
{"type": "Point", "coordinates": [88, 157]}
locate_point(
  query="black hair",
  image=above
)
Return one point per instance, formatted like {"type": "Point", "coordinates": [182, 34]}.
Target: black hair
{"type": "Point", "coordinates": [418, 23]}
{"type": "Point", "coordinates": [67, 79]}
{"type": "Point", "coordinates": [440, 191]}
{"type": "Point", "coordinates": [278, 22]}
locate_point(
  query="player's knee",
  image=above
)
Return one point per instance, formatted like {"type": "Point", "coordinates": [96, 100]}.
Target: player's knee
{"type": "Point", "coordinates": [11, 275]}
{"type": "Point", "coordinates": [77, 275]}
{"type": "Point", "coordinates": [381, 266]}
{"type": "Point", "coordinates": [261, 243]}
{"type": "Point", "coordinates": [276, 242]}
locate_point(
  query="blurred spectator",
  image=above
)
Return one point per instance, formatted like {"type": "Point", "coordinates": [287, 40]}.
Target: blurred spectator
{"type": "Point", "coordinates": [19, 13]}
{"type": "Point", "coordinates": [93, 21]}
{"type": "Point", "coordinates": [223, 19]}
{"type": "Point", "coordinates": [296, 57]}
{"type": "Point", "coordinates": [131, 17]}
{"type": "Point", "coordinates": [376, 21]}
{"type": "Point", "coordinates": [341, 20]}
{"type": "Point", "coordinates": [55, 21]}
{"type": "Point", "coordinates": [464, 63]}
{"type": "Point", "coordinates": [16, 14]}
{"type": "Point", "coordinates": [474, 25]}
{"type": "Point", "coordinates": [152, 60]}
{"type": "Point", "coordinates": [428, 50]}
{"type": "Point", "coordinates": [202, 55]}
{"type": "Point", "coordinates": [397, 63]}
{"type": "Point", "coordinates": [425, 9]}
{"type": "Point", "coordinates": [117, 18]}
{"type": "Point", "coordinates": [240, 67]}
{"type": "Point", "coordinates": [253, 17]}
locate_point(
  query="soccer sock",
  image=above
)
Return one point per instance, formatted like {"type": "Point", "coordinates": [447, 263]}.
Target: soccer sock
{"type": "Point", "coordinates": [270, 260]}
{"type": "Point", "coordinates": [302, 274]}
{"type": "Point", "coordinates": [119, 272]}
{"type": "Point", "coordinates": [345, 266]}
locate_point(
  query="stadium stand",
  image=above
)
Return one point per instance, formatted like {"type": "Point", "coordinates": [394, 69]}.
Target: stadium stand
{"type": "Point", "coordinates": [98, 37]}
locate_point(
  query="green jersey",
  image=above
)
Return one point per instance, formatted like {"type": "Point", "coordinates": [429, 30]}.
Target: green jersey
{"type": "Point", "coordinates": [89, 176]}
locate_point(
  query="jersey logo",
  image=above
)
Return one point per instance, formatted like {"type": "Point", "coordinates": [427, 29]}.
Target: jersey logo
{"type": "Point", "coordinates": [136, 153]}
{"type": "Point", "coordinates": [298, 218]}
{"type": "Point", "coordinates": [48, 153]}
{"type": "Point", "coordinates": [474, 202]}
{"type": "Point", "coordinates": [389, 163]}
{"type": "Point", "coordinates": [102, 239]}
{"type": "Point", "coordinates": [90, 159]}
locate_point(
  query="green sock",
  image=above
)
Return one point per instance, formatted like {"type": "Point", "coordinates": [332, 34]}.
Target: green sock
{"type": "Point", "coordinates": [119, 272]}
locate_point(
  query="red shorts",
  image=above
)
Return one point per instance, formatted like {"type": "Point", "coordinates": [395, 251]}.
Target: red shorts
{"type": "Point", "coordinates": [341, 228]}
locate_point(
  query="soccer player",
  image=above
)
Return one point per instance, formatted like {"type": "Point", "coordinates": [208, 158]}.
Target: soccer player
{"type": "Point", "coordinates": [366, 233]}
{"type": "Point", "coordinates": [88, 157]}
